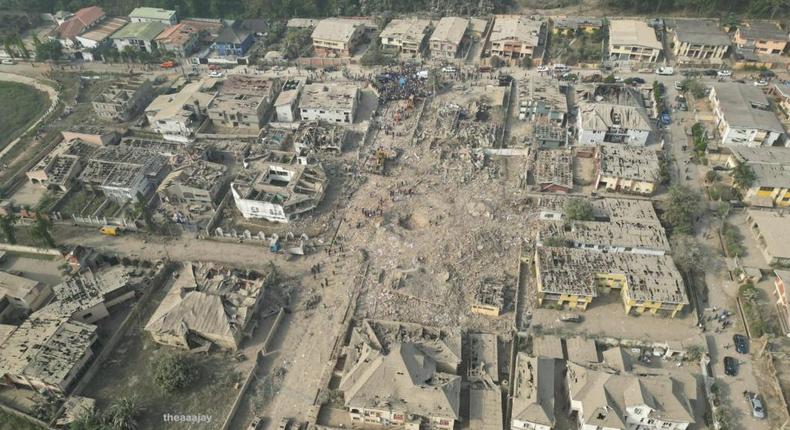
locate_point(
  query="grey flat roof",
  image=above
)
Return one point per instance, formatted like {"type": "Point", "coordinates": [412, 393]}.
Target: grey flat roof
{"type": "Point", "coordinates": [701, 33]}
{"type": "Point", "coordinates": [737, 102]}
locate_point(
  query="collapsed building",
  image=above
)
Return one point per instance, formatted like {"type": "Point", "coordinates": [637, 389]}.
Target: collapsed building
{"type": "Point", "coordinates": [121, 172]}
{"type": "Point", "coordinates": [314, 136]}
{"type": "Point", "coordinates": [208, 304]}
{"type": "Point", "coordinates": [574, 277]}
{"type": "Point", "coordinates": [279, 187]}
{"type": "Point", "coordinates": [489, 298]}
{"type": "Point", "coordinates": [402, 374]}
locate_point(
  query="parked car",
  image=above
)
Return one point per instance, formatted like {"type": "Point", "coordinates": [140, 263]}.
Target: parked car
{"type": "Point", "coordinates": [741, 343]}
{"type": "Point", "coordinates": [679, 85]}
{"type": "Point", "coordinates": [730, 366]}
{"type": "Point", "coordinates": [710, 72]}
{"type": "Point", "coordinates": [724, 73]}
{"type": "Point", "coordinates": [635, 81]}
{"type": "Point", "coordinates": [256, 424]}
{"type": "Point", "coordinates": [8, 62]}
{"type": "Point", "coordinates": [543, 69]}
{"type": "Point", "coordinates": [215, 74]}
{"type": "Point", "coordinates": [758, 411]}
{"type": "Point", "coordinates": [169, 64]}
{"type": "Point", "coordinates": [761, 83]}
{"type": "Point", "coordinates": [665, 70]}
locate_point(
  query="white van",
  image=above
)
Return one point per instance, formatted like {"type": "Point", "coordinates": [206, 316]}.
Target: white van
{"type": "Point", "coordinates": [664, 70]}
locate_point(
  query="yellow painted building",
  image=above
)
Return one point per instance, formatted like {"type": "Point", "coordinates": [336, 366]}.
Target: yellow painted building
{"type": "Point", "coordinates": [573, 277]}
{"type": "Point", "coordinates": [771, 167]}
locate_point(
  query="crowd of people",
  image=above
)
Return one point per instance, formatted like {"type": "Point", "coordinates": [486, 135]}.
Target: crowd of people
{"type": "Point", "coordinates": [401, 83]}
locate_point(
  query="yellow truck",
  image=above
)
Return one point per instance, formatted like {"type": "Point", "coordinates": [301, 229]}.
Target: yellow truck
{"type": "Point", "coordinates": [109, 230]}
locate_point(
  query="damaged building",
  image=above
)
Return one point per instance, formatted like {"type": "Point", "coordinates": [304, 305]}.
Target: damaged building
{"type": "Point", "coordinates": [330, 102]}
{"type": "Point", "coordinates": [197, 183]}
{"type": "Point", "coordinates": [59, 169]}
{"type": "Point", "coordinates": [534, 388]}
{"type": "Point", "coordinates": [178, 116]}
{"type": "Point", "coordinates": [123, 99]}
{"type": "Point", "coordinates": [242, 102]}
{"type": "Point", "coordinates": [314, 136]}
{"type": "Point", "coordinates": [612, 114]}
{"type": "Point", "coordinates": [553, 170]}
{"type": "Point", "coordinates": [627, 169]}
{"type": "Point", "coordinates": [279, 187]}
{"type": "Point", "coordinates": [489, 298]}
{"type": "Point", "coordinates": [286, 105]}
{"type": "Point", "coordinates": [121, 172]}
{"type": "Point", "coordinates": [402, 374]}
{"type": "Point", "coordinates": [88, 296]}
{"type": "Point", "coordinates": [616, 236]}
{"type": "Point", "coordinates": [208, 304]}
{"type": "Point", "coordinates": [574, 277]}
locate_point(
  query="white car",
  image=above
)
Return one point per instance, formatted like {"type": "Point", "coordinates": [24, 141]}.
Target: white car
{"type": "Point", "coordinates": [449, 69]}
{"type": "Point", "coordinates": [215, 74]}
{"type": "Point", "coordinates": [543, 68]}
{"type": "Point", "coordinates": [760, 83]}
{"type": "Point", "coordinates": [8, 62]}
{"type": "Point", "coordinates": [724, 73]}
{"type": "Point", "coordinates": [663, 70]}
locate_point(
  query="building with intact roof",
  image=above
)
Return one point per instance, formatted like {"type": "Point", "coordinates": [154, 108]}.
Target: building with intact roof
{"type": "Point", "coordinates": [604, 400]}
{"type": "Point", "coordinates": [402, 374]}
{"type": "Point", "coordinates": [235, 39]}
{"type": "Point", "coordinates": [761, 37]}
{"type": "Point", "coordinates": [627, 169]}
{"type": "Point", "coordinates": [771, 167]}
{"type": "Point", "coordinates": [744, 116]}
{"type": "Point", "coordinates": [781, 285]}
{"type": "Point", "coordinates": [23, 294]}
{"type": "Point", "coordinates": [534, 390]}
{"type": "Point", "coordinates": [699, 41]}
{"type": "Point", "coordinates": [632, 40]}
{"type": "Point", "coordinates": [279, 187]}
{"type": "Point", "coordinates": [330, 102]}
{"type": "Point", "coordinates": [178, 116]}
{"type": "Point", "coordinates": [80, 22]}
{"type": "Point", "coordinates": [138, 35]}
{"type": "Point", "coordinates": [769, 229]}
{"type": "Point", "coordinates": [154, 14]}
{"type": "Point", "coordinates": [286, 104]}
{"type": "Point", "coordinates": [448, 37]}
{"type": "Point", "coordinates": [337, 37]}
{"type": "Point", "coordinates": [100, 34]}
{"type": "Point", "coordinates": [575, 277]}
{"type": "Point", "coordinates": [406, 36]}
{"type": "Point", "coordinates": [515, 37]}
{"type": "Point", "coordinates": [124, 99]}
{"type": "Point", "coordinates": [180, 39]}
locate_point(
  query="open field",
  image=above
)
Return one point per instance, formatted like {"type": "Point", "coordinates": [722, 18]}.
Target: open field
{"type": "Point", "coordinates": [28, 104]}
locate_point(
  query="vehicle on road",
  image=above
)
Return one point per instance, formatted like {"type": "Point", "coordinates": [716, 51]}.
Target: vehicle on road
{"type": "Point", "coordinates": [710, 72]}
{"type": "Point", "coordinates": [571, 318]}
{"type": "Point", "coordinates": [543, 69]}
{"type": "Point", "coordinates": [758, 410]}
{"type": "Point", "coordinates": [741, 343]}
{"type": "Point", "coordinates": [635, 81]}
{"type": "Point", "coordinates": [215, 74]}
{"type": "Point", "coordinates": [724, 73]}
{"type": "Point", "coordinates": [665, 70]}
{"type": "Point", "coordinates": [761, 83]}
{"type": "Point", "coordinates": [665, 119]}
{"type": "Point", "coordinates": [730, 366]}
{"type": "Point", "coordinates": [111, 230]}
{"type": "Point", "coordinates": [169, 64]}
{"type": "Point", "coordinates": [256, 424]}
{"type": "Point", "coordinates": [8, 62]}
{"type": "Point", "coordinates": [679, 85]}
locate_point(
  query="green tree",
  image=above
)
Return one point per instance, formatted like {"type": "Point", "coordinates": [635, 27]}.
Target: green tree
{"type": "Point", "coordinates": [174, 372]}
{"type": "Point", "coordinates": [50, 50]}
{"type": "Point", "coordinates": [40, 232]}
{"type": "Point", "coordinates": [88, 420]}
{"type": "Point", "coordinates": [526, 62]}
{"type": "Point", "coordinates": [610, 79]}
{"type": "Point", "coordinates": [557, 242]}
{"type": "Point", "coordinates": [7, 226]}
{"type": "Point", "coordinates": [7, 46]}
{"type": "Point", "coordinates": [123, 413]}
{"type": "Point", "coordinates": [578, 209]}
{"type": "Point", "coordinates": [712, 176]}
{"type": "Point", "coordinates": [682, 208]}
{"type": "Point", "coordinates": [694, 87]}
{"type": "Point", "coordinates": [687, 252]}
{"type": "Point", "coordinates": [743, 176]}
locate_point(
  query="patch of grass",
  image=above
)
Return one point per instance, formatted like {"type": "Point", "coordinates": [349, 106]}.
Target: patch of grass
{"type": "Point", "coordinates": [8, 421]}
{"type": "Point", "coordinates": [25, 105]}
{"type": "Point", "coordinates": [753, 308]}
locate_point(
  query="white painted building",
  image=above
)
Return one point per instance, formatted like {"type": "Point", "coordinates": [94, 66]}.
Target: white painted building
{"type": "Point", "coordinates": [744, 116]}
{"type": "Point", "coordinates": [330, 102]}
{"type": "Point", "coordinates": [599, 123]}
